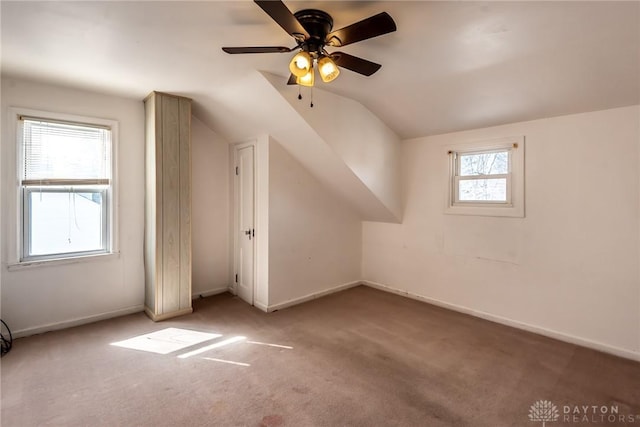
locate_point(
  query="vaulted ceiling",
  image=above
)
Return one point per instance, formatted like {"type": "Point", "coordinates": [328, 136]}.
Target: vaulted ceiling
{"type": "Point", "coordinates": [450, 66]}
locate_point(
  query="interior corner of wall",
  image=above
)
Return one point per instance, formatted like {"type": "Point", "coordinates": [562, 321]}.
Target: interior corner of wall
{"type": "Point", "coordinates": [395, 217]}
{"type": "Point", "coordinates": [397, 214]}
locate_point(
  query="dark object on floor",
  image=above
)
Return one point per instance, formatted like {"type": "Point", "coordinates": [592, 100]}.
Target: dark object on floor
{"type": "Point", "coordinates": [6, 339]}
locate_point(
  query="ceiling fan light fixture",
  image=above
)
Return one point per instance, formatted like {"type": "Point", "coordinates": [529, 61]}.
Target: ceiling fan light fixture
{"type": "Point", "coordinates": [307, 79]}
{"type": "Point", "coordinates": [312, 30]}
{"type": "Point", "coordinates": [301, 64]}
{"type": "Point", "coordinates": [328, 69]}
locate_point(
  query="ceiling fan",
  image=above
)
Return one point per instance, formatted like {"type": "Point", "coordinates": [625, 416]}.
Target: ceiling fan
{"type": "Point", "coordinates": [312, 31]}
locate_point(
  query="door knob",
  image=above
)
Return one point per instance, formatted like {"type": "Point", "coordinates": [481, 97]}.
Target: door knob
{"type": "Point", "coordinates": [248, 233]}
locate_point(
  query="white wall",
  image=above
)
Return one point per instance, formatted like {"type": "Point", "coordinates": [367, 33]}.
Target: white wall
{"type": "Point", "coordinates": [36, 298]}
{"type": "Point", "coordinates": [363, 142]}
{"type": "Point", "coordinates": [285, 123]}
{"type": "Point", "coordinates": [46, 297]}
{"type": "Point", "coordinates": [570, 268]}
{"type": "Point", "coordinates": [314, 237]}
{"type": "Point", "coordinates": [210, 210]}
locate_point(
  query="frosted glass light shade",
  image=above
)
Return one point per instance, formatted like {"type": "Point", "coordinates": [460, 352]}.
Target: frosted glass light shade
{"type": "Point", "coordinates": [328, 69]}
{"type": "Point", "coordinates": [307, 79]}
{"type": "Point", "coordinates": [300, 64]}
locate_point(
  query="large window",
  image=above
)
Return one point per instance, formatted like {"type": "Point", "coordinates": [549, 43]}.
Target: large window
{"type": "Point", "coordinates": [66, 187]}
{"type": "Point", "coordinates": [487, 178]}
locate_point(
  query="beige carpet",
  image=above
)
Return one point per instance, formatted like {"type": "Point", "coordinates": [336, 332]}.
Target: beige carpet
{"type": "Point", "coordinates": [357, 358]}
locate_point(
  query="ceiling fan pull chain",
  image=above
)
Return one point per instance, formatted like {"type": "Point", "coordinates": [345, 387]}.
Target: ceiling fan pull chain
{"type": "Point", "coordinates": [299, 94]}
{"type": "Point", "coordinates": [311, 105]}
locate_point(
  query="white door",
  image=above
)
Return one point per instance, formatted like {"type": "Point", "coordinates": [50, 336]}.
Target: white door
{"type": "Point", "coordinates": [246, 233]}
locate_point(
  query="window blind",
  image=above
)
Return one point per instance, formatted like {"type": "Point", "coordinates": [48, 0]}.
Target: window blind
{"type": "Point", "coordinates": [59, 152]}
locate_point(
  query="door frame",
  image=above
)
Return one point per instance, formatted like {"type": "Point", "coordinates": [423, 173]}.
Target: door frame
{"type": "Point", "coordinates": [236, 217]}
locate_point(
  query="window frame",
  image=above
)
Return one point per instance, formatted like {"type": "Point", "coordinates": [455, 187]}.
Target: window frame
{"type": "Point", "coordinates": [514, 204]}
{"type": "Point", "coordinates": [109, 191]}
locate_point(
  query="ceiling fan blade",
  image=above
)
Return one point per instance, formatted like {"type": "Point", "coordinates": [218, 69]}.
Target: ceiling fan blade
{"type": "Point", "coordinates": [292, 80]}
{"type": "Point", "coordinates": [373, 26]}
{"type": "Point", "coordinates": [353, 63]}
{"type": "Point", "coordinates": [283, 17]}
{"type": "Point", "coordinates": [257, 49]}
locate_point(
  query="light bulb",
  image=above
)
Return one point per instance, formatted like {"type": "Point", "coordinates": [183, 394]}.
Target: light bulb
{"type": "Point", "coordinates": [300, 64]}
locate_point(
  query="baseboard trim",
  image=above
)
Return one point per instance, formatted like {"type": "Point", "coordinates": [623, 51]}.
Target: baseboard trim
{"type": "Point", "coordinates": [210, 292]}
{"type": "Point", "coordinates": [261, 306]}
{"type": "Point", "coordinates": [309, 297]}
{"type": "Point", "coordinates": [561, 336]}
{"type": "Point", "coordinates": [165, 316]}
{"type": "Point", "coordinates": [77, 321]}
{"type": "Point", "coordinates": [572, 339]}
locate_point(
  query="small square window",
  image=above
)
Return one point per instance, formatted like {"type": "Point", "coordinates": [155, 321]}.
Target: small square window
{"type": "Point", "coordinates": [487, 178]}
{"type": "Point", "coordinates": [482, 177]}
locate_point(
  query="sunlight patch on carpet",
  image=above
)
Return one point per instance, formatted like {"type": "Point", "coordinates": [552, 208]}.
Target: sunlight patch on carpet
{"type": "Point", "coordinates": [166, 341]}
{"type": "Point", "coordinates": [270, 345]}
{"type": "Point", "coordinates": [212, 346]}
{"type": "Point", "coordinates": [226, 361]}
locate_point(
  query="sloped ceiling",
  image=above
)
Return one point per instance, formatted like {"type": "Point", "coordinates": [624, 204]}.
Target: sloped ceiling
{"type": "Point", "coordinates": [450, 66]}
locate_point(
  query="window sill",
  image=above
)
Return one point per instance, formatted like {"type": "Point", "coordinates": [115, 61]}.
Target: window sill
{"type": "Point", "coordinates": [15, 266]}
{"type": "Point", "coordinates": [508, 211]}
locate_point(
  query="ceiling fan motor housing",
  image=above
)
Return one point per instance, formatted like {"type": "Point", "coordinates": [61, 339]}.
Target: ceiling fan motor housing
{"type": "Point", "coordinates": [318, 24]}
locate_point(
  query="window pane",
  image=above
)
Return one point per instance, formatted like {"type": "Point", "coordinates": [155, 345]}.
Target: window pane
{"type": "Point", "coordinates": [63, 222]}
{"type": "Point", "coordinates": [494, 190]}
{"type": "Point", "coordinates": [495, 163]}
